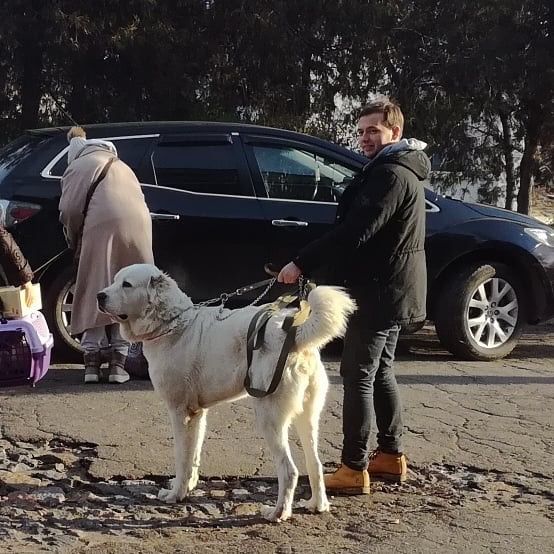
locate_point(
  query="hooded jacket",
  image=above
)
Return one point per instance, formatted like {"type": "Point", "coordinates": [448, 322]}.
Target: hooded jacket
{"type": "Point", "coordinates": [376, 248]}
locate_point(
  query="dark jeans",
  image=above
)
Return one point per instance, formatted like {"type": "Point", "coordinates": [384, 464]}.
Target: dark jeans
{"type": "Point", "coordinates": [369, 380]}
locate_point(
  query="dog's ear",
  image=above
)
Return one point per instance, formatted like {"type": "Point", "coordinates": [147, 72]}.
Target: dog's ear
{"type": "Point", "coordinates": [157, 285]}
{"type": "Point", "coordinates": [156, 282]}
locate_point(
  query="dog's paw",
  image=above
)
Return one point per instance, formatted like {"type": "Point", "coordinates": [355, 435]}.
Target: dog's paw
{"type": "Point", "coordinates": [170, 496]}
{"type": "Point", "coordinates": [193, 481]}
{"type": "Point", "coordinates": [187, 486]}
{"type": "Point", "coordinates": [314, 505]}
{"type": "Point", "coordinates": [275, 514]}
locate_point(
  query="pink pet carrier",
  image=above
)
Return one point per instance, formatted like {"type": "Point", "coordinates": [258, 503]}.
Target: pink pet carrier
{"type": "Point", "coordinates": [25, 349]}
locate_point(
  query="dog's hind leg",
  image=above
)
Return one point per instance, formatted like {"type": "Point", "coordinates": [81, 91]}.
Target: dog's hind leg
{"type": "Point", "coordinates": [275, 427]}
{"type": "Point", "coordinates": [188, 434]}
{"type": "Point", "coordinates": [307, 425]}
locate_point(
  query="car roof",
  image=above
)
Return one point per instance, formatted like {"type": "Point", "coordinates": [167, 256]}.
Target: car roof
{"type": "Point", "coordinates": [161, 127]}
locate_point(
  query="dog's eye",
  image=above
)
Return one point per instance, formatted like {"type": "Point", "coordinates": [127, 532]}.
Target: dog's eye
{"type": "Point", "coordinates": [126, 284]}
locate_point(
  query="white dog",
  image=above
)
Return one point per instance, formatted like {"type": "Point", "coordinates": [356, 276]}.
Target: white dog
{"type": "Point", "coordinates": [197, 358]}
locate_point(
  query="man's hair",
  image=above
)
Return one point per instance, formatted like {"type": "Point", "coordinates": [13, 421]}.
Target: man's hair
{"type": "Point", "coordinates": [392, 114]}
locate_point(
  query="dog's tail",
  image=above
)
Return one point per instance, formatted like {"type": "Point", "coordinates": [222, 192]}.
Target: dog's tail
{"type": "Point", "coordinates": [330, 308]}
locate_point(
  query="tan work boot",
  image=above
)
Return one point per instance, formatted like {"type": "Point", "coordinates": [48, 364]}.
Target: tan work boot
{"type": "Point", "coordinates": [390, 467]}
{"type": "Point", "coordinates": [347, 481]}
{"type": "Point", "coordinates": [92, 367]}
{"type": "Point", "coordinates": [117, 369]}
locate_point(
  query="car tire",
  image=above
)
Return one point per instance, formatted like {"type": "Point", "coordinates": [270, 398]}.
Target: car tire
{"type": "Point", "coordinates": [481, 312]}
{"type": "Point", "coordinates": [58, 316]}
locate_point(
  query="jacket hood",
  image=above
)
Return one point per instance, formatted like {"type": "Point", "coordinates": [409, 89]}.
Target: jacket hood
{"type": "Point", "coordinates": [79, 145]}
{"type": "Point", "coordinates": [407, 153]}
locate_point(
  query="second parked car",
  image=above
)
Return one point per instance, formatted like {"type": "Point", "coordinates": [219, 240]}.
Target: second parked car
{"type": "Point", "coordinates": [227, 198]}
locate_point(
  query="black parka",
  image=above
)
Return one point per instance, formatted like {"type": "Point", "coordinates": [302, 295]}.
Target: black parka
{"type": "Point", "coordinates": [376, 248]}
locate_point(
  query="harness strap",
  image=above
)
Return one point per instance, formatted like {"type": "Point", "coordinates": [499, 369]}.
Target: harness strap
{"type": "Point", "coordinates": [256, 329]}
{"type": "Point", "coordinates": [255, 335]}
{"type": "Point", "coordinates": [255, 338]}
{"type": "Point", "coordinates": [79, 238]}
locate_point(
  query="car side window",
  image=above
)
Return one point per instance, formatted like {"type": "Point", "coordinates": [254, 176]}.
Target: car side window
{"type": "Point", "coordinates": [430, 207]}
{"type": "Point", "coordinates": [130, 150]}
{"type": "Point", "coordinates": [296, 174]}
{"type": "Point", "coordinates": [205, 168]}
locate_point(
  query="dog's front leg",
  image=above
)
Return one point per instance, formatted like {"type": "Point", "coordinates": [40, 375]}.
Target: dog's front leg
{"type": "Point", "coordinates": [188, 433]}
{"type": "Point", "coordinates": [196, 430]}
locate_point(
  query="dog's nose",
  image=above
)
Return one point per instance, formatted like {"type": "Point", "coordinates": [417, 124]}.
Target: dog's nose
{"type": "Point", "coordinates": [101, 297]}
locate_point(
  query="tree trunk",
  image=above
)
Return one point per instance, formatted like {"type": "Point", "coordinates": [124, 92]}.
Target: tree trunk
{"type": "Point", "coordinates": [78, 96]}
{"type": "Point", "coordinates": [526, 165]}
{"type": "Point", "coordinates": [301, 93]}
{"type": "Point", "coordinates": [508, 148]}
{"type": "Point", "coordinates": [31, 82]}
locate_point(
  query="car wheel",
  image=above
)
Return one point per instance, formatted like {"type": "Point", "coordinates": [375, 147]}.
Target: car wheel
{"type": "Point", "coordinates": [58, 308]}
{"type": "Point", "coordinates": [480, 314]}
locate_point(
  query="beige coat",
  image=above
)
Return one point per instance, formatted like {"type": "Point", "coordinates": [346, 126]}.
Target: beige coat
{"type": "Point", "coordinates": [117, 232]}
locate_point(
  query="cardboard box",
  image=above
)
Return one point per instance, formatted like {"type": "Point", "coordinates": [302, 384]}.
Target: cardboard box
{"type": "Point", "coordinates": [12, 302]}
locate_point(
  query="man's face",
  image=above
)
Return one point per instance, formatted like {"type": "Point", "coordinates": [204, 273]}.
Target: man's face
{"type": "Point", "coordinates": [373, 135]}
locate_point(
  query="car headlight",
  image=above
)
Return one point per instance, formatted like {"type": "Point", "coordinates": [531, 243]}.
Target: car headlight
{"type": "Point", "coordinates": [544, 236]}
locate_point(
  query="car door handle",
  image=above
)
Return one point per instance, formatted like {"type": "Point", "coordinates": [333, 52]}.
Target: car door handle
{"type": "Point", "coordinates": [288, 223]}
{"type": "Point", "coordinates": [165, 217]}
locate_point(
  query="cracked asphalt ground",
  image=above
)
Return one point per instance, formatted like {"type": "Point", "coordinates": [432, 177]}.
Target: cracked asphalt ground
{"type": "Point", "coordinates": [80, 466]}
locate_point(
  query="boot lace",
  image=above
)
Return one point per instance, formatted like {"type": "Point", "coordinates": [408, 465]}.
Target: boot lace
{"type": "Point", "coordinates": [374, 454]}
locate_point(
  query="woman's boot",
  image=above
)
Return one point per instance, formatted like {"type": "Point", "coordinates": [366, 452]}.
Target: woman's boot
{"type": "Point", "coordinates": [117, 368]}
{"type": "Point", "coordinates": [92, 361]}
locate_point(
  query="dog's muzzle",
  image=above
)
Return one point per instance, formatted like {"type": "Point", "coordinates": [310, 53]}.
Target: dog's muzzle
{"type": "Point", "coordinates": [101, 299]}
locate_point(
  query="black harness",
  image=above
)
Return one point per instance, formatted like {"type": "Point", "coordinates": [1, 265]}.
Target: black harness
{"type": "Point", "coordinates": [256, 334]}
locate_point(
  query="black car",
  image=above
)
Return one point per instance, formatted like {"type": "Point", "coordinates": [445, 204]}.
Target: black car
{"type": "Point", "coordinates": [227, 198]}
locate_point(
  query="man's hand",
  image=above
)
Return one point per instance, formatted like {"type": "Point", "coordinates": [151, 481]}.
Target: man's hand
{"type": "Point", "coordinates": [31, 294]}
{"type": "Point", "coordinates": [289, 274]}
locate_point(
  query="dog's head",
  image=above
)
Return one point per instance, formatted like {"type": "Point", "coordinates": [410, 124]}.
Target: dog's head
{"type": "Point", "coordinates": [143, 300]}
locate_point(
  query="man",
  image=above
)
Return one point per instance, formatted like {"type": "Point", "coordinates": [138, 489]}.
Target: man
{"type": "Point", "coordinates": [376, 249]}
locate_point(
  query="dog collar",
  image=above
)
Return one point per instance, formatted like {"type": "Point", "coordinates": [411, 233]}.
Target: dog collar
{"type": "Point", "coordinates": [153, 336]}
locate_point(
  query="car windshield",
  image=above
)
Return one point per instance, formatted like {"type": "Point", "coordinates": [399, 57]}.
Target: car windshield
{"type": "Point", "coordinates": [16, 151]}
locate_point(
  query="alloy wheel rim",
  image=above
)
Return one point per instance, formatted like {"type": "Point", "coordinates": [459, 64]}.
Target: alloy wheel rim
{"type": "Point", "coordinates": [492, 313]}
{"type": "Point", "coordinates": [65, 309]}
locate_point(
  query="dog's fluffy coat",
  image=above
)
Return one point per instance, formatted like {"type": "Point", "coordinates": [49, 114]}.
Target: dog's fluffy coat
{"type": "Point", "coordinates": [197, 359]}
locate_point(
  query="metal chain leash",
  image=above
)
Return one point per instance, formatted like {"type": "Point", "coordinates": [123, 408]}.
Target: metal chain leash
{"type": "Point", "coordinates": [224, 297]}
{"type": "Point", "coordinates": [239, 292]}
{"type": "Point", "coordinates": [265, 291]}
{"type": "Point", "coordinates": [302, 288]}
